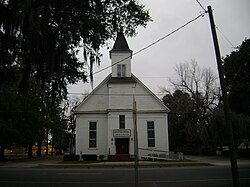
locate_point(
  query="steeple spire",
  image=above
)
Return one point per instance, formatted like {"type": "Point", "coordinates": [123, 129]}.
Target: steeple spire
{"type": "Point", "coordinates": [120, 57]}
{"type": "Point", "coordinates": [120, 43]}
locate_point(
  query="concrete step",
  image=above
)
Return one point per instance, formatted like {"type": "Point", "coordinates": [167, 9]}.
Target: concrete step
{"type": "Point", "coordinates": [120, 157]}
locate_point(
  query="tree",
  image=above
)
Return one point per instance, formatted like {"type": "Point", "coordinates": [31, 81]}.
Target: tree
{"type": "Point", "coordinates": [8, 130]}
{"type": "Point", "coordinates": [21, 120]}
{"type": "Point", "coordinates": [237, 74]}
{"type": "Point", "coordinates": [68, 107]}
{"type": "Point", "coordinates": [180, 120]}
{"type": "Point", "coordinates": [216, 129]}
{"type": "Point", "coordinates": [39, 44]}
{"type": "Point", "coordinates": [200, 84]}
{"type": "Point", "coordinates": [41, 37]}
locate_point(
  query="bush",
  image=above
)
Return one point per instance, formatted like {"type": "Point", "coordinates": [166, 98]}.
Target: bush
{"type": "Point", "coordinates": [101, 157]}
{"type": "Point", "coordinates": [225, 153]}
{"type": "Point", "coordinates": [208, 151]}
{"type": "Point", "coordinates": [71, 157]}
{"type": "Point", "coordinates": [244, 153]}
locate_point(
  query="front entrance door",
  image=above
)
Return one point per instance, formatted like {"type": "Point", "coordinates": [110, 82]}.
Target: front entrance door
{"type": "Point", "coordinates": [122, 145]}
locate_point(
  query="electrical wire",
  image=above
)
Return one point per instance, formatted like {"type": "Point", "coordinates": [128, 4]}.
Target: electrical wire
{"type": "Point", "coordinates": [147, 77]}
{"type": "Point", "coordinates": [201, 6]}
{"type": "Point", "coordinates": [120, 94]}
{"type": "Point", "coordinates": [226, 38]}
{"type": "Point", "coordinates": [157, 41]}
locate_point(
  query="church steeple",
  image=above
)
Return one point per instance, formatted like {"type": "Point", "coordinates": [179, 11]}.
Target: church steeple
{"type": "Point", "coordinates": [120, 43]}
{"type": "Point", "coordinates": [121, 57]}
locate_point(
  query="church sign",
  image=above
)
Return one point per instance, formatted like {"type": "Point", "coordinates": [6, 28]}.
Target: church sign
{"type": "Point", "coordinates": [121, 133]}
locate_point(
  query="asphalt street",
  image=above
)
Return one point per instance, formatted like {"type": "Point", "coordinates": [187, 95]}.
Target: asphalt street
{"type": "Point", "coordinates": [123, 177]}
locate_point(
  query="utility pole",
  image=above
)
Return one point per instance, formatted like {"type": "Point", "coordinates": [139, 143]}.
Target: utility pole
{"type": "Point", "coordinates": [135, 141]}
{"type": "Point", "coordinates": [233, 155]}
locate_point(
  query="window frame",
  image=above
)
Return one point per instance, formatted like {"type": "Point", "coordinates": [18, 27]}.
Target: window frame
{"type": "Point", "coordinates": [92, 134]}
{"type": "Point", "coordinates": [121, 70]}
{"type": "Point", "coordinates": [122, 121]}
{"type": "Point", "coordinates": [151, 133]}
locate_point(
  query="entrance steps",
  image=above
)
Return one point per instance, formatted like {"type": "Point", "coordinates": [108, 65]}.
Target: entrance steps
{"type": "Point", "coordinates": [120, 158]}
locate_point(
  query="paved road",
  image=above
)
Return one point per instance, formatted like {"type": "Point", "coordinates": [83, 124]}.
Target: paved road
{"type": "Point", "coordinates": [155, 177]}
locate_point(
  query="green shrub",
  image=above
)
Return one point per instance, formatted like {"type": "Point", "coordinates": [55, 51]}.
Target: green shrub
{"type": "Point", "coordinates": [89, 157]}
{"type": "Point", "coordinates": [71, 157]}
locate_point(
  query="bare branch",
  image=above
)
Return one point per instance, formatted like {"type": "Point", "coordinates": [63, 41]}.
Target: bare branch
{"type": "Point", "coordinates": [200, 83]}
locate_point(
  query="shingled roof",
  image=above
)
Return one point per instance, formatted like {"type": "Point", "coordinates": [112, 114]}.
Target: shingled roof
{"type": "Point", "coordinates": [120, 43]}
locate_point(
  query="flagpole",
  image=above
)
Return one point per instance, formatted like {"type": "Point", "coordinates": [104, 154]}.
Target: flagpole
{"type": "Point", "coordinates": [135, 141]}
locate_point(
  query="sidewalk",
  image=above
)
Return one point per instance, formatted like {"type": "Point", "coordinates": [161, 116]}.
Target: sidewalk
{"type": "Point", "coordinates": [60, 164]}
{"type": "Point", "coordinates": [217, 160]}
{"type": "Point", "coordinates": [57, 162]}
{"type": "Point", "coordinates": [30, 163]}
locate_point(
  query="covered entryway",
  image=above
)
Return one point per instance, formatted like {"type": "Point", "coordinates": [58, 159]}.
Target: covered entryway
{"type": "Point", "coordinates": [122, 146]}
{"type": "Point", "coordinates": [122, 150]}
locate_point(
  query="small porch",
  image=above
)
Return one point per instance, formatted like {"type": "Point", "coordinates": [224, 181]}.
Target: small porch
{"type": "Point", "coordinates": [122, 150]}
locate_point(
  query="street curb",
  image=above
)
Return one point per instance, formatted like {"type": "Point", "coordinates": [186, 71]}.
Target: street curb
{"type": "Point", "coordinates": [124, 165]}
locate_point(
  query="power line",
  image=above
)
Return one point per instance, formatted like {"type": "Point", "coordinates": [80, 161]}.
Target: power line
{"type": "Point", "coordinates": [146, 77]}
{"type": "Point", "coordinates": [226, 38]}
{"type": "Point", "coordinates": [119, 94]}
{"type": "Point", "coordinates": [157, 41]}
{"type": "Point", "coordinates": [201, 6]}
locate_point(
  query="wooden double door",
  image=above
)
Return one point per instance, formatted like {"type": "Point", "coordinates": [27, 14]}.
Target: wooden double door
{"type": "Point", "coordinates": [122, 146]}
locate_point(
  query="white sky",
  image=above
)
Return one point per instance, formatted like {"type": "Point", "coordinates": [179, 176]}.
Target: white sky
{"type": "Point", "coordinates": [155, 65]}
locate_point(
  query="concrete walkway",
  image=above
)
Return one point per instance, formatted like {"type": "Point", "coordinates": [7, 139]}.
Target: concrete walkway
{"type": "Point", "coordinates": [217, 160]}
{"type": "Point", "coordinates": [57, 161]}
{"type": "Point", "coordinates": [30, 163]}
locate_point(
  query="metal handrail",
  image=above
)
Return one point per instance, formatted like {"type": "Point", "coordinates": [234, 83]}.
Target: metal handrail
{"type": "Point", "coordinates": [161, 154]}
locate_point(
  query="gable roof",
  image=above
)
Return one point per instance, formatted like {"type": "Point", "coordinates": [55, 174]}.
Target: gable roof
{"type": "Point", "coordinates": [121, 80]}
{"type": "Point", "coordinates": [110, 80]}
{"type": "Point", "coordinates": [151, 93]}
{"type": "Point", "coordinates": [92, 93]}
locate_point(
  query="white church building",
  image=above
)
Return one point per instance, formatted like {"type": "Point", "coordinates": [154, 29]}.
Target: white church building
{"type": "Point", "coordinates": [104, 120]}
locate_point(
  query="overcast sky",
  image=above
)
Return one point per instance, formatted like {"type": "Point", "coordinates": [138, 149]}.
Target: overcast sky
{"type": "Point", "coordinates": [155, 65]}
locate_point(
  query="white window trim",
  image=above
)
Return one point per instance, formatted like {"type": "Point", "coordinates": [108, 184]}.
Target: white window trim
{"type": "Point", "coordinates": [95, 135]}
{"type": "Point", "coordinates": [121, 70]}
{"type": "Point", "coordinates": [147, 134]}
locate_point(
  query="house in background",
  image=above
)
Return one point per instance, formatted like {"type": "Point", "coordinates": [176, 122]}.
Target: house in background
{"type": "Point", "coordinates": [104, 120]}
